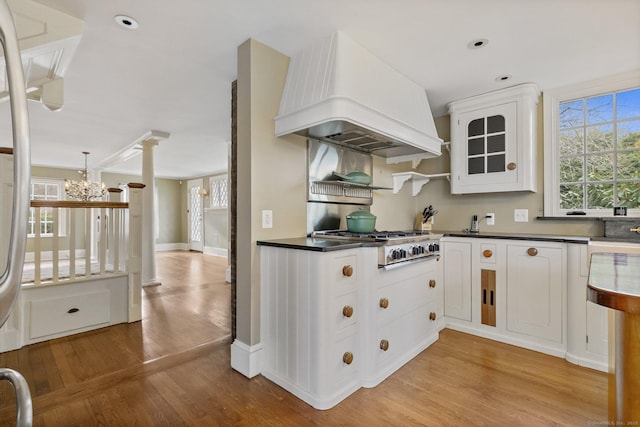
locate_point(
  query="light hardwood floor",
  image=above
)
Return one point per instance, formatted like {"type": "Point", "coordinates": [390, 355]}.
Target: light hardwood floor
{"type": "Point", "coordinates": [173, 368]}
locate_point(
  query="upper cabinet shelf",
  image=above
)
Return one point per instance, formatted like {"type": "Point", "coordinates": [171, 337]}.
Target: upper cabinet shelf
{"type": "Point", "coordinates": [418, 180]}
{"type": "Point", "coordinates": [344, 189]}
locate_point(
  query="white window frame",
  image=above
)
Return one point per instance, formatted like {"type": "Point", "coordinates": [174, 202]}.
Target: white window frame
{"type": "Point", "coordinates": [551, 102]}
{"type": "Point", "coordinates": [62, 218]}
{"type": "Point", "coordinates": [214, 183]}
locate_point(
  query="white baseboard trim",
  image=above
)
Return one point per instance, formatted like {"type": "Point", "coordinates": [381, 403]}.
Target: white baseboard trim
{"type": "Point", "coordinates": [227, 274]}
{"type": "Point", "coordinates": [246, 359]}
{"type": "Point", "coordinates": [210, 250]}
{"type": "Point", "coordinates": [161, 247]}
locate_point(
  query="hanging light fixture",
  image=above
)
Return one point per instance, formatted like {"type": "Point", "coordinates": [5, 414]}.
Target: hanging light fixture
{"type": "Point", "coordinates": [84, 190]}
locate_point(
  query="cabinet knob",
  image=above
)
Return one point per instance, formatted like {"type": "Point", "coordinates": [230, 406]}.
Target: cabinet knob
{"type": "Point", "coordinates": [487, 253]}
{"type": "Point", "coordinates": [384, 345]}
{"type": "Point", "coordinates": [432, 315]}
{"type": "Point", "coordinates": [347, 311]}
{"type": "Point", "coordinates": [637, 229]}
{"type": "Point", "coordinates": [347, 358]}
{"type": "Point", "coordinates": [432, 283]}
{"type": "Point", "coordinates": [511, 166]}
{"type": "Point", "coordinates": [532, 251]}
{"type": "Point", "coordinates": [384, 303]}
{"type": "Point", "coordinates": [347, 271]}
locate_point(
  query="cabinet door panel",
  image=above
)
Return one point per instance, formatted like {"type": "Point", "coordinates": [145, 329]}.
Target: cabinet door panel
{"type": "Point", "coordinates": [534, 291]}
{"type": "Point", "coordinates": [457, 279]}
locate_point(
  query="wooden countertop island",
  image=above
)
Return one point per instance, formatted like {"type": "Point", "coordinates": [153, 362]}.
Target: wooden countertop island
{"type": "Point", "coordinates": [614, 282]}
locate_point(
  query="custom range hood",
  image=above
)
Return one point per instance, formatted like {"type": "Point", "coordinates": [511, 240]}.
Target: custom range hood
{"type": "Point", "coordinates": [336, 91]}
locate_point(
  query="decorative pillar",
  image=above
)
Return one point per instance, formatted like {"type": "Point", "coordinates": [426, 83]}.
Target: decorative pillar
{"type": "Point", "coordinates": [148, 223]}
{"type": "Point", "coordinates": [135, 250]}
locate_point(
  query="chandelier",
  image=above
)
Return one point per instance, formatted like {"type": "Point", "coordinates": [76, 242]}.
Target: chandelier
{"type": "Point", "coordinates": [84, 190]}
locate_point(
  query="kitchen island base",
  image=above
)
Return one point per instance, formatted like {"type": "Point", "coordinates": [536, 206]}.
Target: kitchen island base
{"type": "Point", "coordinates": [332, 321]}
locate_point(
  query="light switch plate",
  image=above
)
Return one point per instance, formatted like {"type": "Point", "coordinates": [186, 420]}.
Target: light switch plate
{"type": "Point", "coordinates": [267, 219]}
{"type": "Point", "coordinates": [521, 215]}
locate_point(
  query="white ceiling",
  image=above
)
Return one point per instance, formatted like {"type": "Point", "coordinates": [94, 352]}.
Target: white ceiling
{"type": "Point", "coordinates": [174, 73]}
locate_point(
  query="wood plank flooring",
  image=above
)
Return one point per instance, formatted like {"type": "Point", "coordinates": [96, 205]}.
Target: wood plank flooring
{"type": "Point", "coordinates": [173, 368]}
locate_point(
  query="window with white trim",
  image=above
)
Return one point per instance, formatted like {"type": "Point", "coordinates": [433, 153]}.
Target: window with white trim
{"type": "Point", "coordinates": [219, 194]}
{"type": "Point", "coordinates": [592, 147]}
{"type": "Point", "coordinates": [46, 189]}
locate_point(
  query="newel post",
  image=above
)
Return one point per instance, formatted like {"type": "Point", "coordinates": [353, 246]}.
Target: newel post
{"type": "Point", "coordinates": [135, 251]}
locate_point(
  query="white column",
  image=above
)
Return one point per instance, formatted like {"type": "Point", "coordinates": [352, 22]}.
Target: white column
{"type": "Point", "coordinates": [148, 223]}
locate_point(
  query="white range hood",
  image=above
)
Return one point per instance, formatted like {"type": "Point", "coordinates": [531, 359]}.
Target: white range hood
{"type": "Point", "coordinates": [337, 91]}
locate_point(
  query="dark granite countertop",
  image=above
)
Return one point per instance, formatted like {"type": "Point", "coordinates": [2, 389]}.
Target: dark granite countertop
{"type": "Point", "coordinates": [315, 244]}
{"type": "Point", "coordinates": [614, 281]}
{"type": "Point", "coordinates": [518, 236]}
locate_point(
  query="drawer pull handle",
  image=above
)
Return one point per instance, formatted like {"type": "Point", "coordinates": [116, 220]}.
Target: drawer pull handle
{"type": "Point", "coordinates": [347, 271]}
{"type": "Point", "coordinates": [511, 166]}
{"type": "Point", "coordinates": [347, 358]}
{"type": "Point", "coordinates": [432, 315]}
{"type": "Point", "coordinates": [384, 345]}
{"type": "Point", "coordinates": [384, 303]}
{"type": "Point", "coordinates": [347, 311]}
{"type": "Point", "coordinates": [487, 253]}
{"type": "Point", "coordinates": [432, 283]}
{"type": "Point", "coordinates": [73, 310]}
{"type": "Point", "coordinates": [532, 251]}
{"type": "Point", "coordinates": [637, 229]}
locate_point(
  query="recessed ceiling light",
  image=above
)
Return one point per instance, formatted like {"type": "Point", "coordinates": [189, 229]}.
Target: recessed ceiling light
{"type": "Point", "coordinates": [503, 78]}
{"type": "Point", "coordinates": [126, 22]}
{"type": "Point", "coordinates": [477, 43]}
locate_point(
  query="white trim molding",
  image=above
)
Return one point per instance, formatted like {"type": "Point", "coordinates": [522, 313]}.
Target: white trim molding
{"type": "Point", "coordinates": [162, 247]}
{"type": "Point", "coordinates": [246, 359]}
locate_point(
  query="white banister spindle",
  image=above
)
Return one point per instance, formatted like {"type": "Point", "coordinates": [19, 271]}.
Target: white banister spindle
{"type": "Point", "coordinates": [102, 235]}
{"type": "Point", "coordinates": [115, 241]}
{"type": "Point", "coordinates": [72, 243]}
{"type": "Point", "coordinates": [135, 251]}
{"type": "Point", "coordinates": [37, 247]}
{"type": "Point", "coordinates": [88, 217]}
{"type": "Point", "coordinates": [55, 246]}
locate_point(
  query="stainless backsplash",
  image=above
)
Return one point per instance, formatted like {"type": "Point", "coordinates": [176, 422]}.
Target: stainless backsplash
{"type": "Point", "coordinates": [328, 212]}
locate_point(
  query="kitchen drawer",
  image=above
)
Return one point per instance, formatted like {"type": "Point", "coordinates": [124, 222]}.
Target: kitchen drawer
{"type": "Point", "coordinates": [344, 271]}
{"type": "Point", "coordinates": [61, 314]}
{"type": "Point", "coordinates": [344, 311]}
{"type": "Point", "coordinates": [337, 373]}
{"type": "Point", "coordinates": [402, 297]}
{"type": "Point", "coordinates": [488, 253]}
{"type": "Point", "coordinates": [402, 335]}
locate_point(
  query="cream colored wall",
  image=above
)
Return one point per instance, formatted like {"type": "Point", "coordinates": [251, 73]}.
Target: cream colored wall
{"type": "Point", "coordinates": [456, 210]}
{"type": "Point", "coordinates": [271, 176]}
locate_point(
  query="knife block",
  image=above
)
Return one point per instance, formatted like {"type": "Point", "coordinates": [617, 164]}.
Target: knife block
{"type": "Point", "coordinates": [418, 225]}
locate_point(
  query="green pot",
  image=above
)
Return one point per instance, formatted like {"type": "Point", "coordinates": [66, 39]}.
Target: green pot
{"type": "Point", "coordinates": [355, 177]}
{"type": "Point", "coordinates": [361, 222]}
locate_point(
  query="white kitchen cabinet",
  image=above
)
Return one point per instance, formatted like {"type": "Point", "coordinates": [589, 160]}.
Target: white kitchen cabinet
{"type": "Point", "coordinates": [457, 276]}
{"type": "Point", "coordinates": [536, 283]}
{"type": "Point", "coordinates": [493, 141]}
{"type": "Point", "coordinates": [332, 322]}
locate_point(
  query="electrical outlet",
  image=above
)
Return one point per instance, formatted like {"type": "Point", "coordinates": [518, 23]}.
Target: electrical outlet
{"type": "Point", "coordinates": [521, 215]}
{"type": "Point", "coordinates": [267, 219]}
{"type": "Point", "coordinates": [491, 218]}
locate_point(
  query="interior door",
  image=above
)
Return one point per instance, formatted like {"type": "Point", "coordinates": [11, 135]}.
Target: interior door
{"type": "Point", "coordinates": [196, 209]}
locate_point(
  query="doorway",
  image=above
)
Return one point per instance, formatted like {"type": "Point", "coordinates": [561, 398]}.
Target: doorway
{"type": "Point", "coordinates": [195, 217]}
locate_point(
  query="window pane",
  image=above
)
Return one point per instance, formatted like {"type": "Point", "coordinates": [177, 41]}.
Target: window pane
{"type": "Point", "coordinates": [628, 104]}
{"type": "Point", "coordinates": [629, 134]}
{"type": "Point", "coordinates": [571, 196]}
{"type": "Point", "coordinates": [476, 146]}
{"type": "Point", "coordinates": [571, 170]}
{"type": "Point", "coordinates": [495, 143]}
{"type": "Point", "coordinates": [571, 141]}
{"type": "Point", "coordinates": [600, 167]}
{"type": "Point", "coordinates": [476, 165]}
{"type": "Point", "coordinates": [599, 138]}
{"type": "Point", "coordinates": [476, 127]}
{"type": "Point", "coordinates": [39, 190]}
{"type": "Point", "coordinates": [495, 124]}
{"type": "Point", "coordinates": [496, 163]}
{"type": "Point", "coordinates": [599, 196]}
{"type": "Point", "coordinates": [629, 195]}
{"type": "Point", "coordinates": [600, 109]}
{"type": "Point", "coordinates": [571, 114]}
{"type": "Point", "coordinates": [628, 164]}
